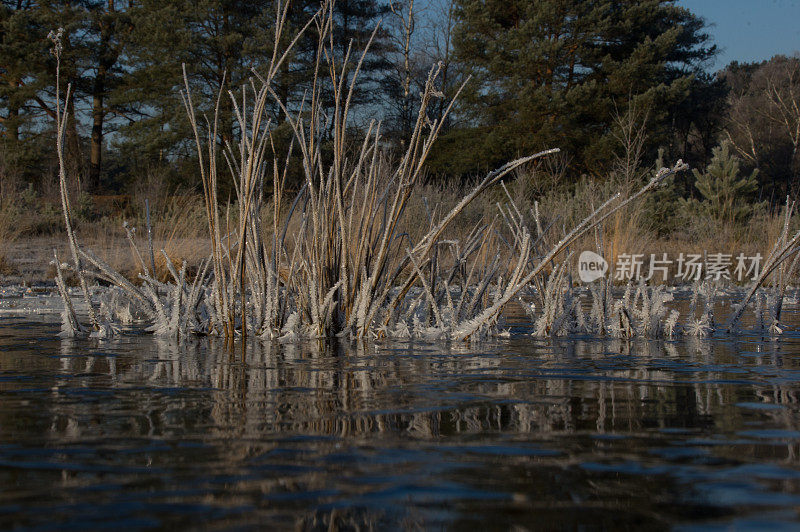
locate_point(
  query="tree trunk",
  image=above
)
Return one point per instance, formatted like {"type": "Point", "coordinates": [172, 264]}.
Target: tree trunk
{"type": "Point", "coordinates": [12, 122]}
{"type": "Point", "coordinates": [98, 114]}
{"type": "Point", "coordinates": [106, 61]}
{"type": "Point", "coordinates": [75, 162]}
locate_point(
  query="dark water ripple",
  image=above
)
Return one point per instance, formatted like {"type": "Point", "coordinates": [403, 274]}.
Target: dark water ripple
{"type": "Point", "coordinates": [137, 433]}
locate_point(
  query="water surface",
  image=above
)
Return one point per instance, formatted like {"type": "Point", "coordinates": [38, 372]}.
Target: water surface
{"type": "Point", "coordinates": [534, 433]}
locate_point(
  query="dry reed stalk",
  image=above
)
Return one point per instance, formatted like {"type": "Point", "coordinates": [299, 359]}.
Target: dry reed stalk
{"type": "Point", "coordinates": [347, 268]}
{"type": "Point", "coordinates": [783, 248]}
{"type": "Point", "coordinates": [61, 122]}
{"type": "Point", "coordinates": [594, 219]}
{"type": "Point", "coordinates": [71, 325]}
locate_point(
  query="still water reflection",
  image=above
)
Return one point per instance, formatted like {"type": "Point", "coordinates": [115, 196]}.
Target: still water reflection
{"type": "Point", "coordinates": [520, 432]}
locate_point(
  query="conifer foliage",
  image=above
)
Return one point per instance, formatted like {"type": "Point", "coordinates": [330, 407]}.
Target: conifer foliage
{"type": "Point", "coordinates": [553, 72]}
{"type": "Point", "coordinates": [726, 195]}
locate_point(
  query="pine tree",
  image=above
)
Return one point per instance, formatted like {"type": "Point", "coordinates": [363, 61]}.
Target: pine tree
{"type": "Point", "coordinates": [106, 36]}
{"type": "Point", "coordinates": [22, 54]}
{"type": "Point", "coordinates": [31, 91]}
{"type": "Point", "coordinates": [18, 51]}
{"type": "Point", "coordinates": [221, 42]}
{"type": "Point", "coordinates": [726, 196]}
{"type": "Point", "coordinates": [94, 40]}
{"type": "Point", "coordinates": [553, 73]}
{"type": "Point", "coordinates": [663, 204]}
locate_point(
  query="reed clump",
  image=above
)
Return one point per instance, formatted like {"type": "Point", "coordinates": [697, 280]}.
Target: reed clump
{"type": "Point", "coordinates": [643, 311]}
{"type": "Point", "coordinates": [337, 258]}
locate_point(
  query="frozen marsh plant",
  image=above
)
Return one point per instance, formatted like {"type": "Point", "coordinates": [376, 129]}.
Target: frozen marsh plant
{"type": "Point", "coordinates": [641, 311]}
{"type": "Point", "coordinates": [333, 260]}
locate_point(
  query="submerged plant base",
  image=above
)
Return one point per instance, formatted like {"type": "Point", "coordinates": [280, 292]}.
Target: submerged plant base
{"type": "Point", "coordinates": [633, 312]}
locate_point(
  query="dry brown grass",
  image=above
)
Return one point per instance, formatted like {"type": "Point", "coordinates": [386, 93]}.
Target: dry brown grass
{"type": "Point", "coordinates": [9, 232]}
{"type": "Point", "coordinates": [631, 230]}
{"type": "Point", "coordinates": [179, 228]}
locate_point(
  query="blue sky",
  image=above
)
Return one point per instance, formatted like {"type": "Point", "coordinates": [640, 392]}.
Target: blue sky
{"type": "Point", "coordinates": [750, 30]}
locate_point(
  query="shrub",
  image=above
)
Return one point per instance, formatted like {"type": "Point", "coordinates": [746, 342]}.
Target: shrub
{"type": "Point", "coordinates": [726, 196]}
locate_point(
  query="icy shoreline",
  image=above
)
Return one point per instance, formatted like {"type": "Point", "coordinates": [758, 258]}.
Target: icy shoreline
{"type": "Point", "coordinates": [43, 300]}
{"type": "Point", "coordinates": [40, 300]}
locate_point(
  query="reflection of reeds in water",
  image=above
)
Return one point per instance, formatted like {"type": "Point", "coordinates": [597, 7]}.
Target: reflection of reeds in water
{"type": "Point", "coordinates": [315, 390]}
{"type": "Point", "coordinates": [280, 430]}
{"type": "Point", "coordinates": [285, 421]}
